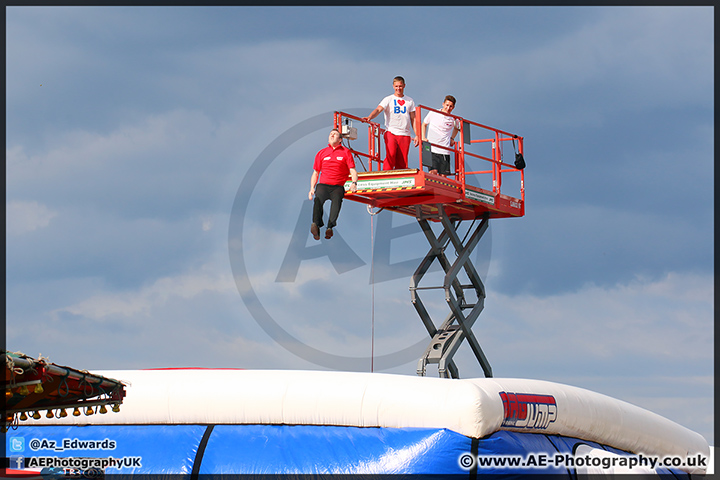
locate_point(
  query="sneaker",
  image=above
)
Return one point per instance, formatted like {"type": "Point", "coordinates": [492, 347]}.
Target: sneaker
{"type": "Point", "coordinates": [328, 233]}
{"type": "Point", "coordinates": [315, 230]}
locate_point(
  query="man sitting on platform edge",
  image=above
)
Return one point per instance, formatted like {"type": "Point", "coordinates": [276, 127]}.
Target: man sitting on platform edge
{"type": "Point", "coordinates": [332, 166]}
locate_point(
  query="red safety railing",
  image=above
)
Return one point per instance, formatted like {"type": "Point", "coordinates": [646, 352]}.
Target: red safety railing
{"type": "Point", "coordinates": [375, 136]}
{"type": "Point", "coordinates": [491, 135]}
{"type": "Point", "coordinates": [496, 166]}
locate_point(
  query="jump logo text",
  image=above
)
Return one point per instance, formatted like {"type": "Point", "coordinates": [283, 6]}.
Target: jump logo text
{"type": "Point", "coordinates": [528, 410]}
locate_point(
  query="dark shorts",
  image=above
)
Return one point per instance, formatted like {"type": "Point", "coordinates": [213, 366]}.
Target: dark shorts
{"type": "Point", "coordinates": [441, 163]}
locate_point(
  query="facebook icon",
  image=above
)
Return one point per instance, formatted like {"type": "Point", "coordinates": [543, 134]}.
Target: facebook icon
{"type": "Point", "coordinates": [18, 463]}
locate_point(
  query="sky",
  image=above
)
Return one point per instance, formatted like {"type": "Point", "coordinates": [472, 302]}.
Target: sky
{"type": "Point", "coordinates": [158, 163]}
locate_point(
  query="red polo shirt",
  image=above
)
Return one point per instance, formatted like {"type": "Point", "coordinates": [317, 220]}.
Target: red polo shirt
{"type": "Point", "coordinates": [334, 165]}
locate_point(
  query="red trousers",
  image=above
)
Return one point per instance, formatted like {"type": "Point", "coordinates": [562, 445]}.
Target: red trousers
{"type": "Point", "coordinates": [396, 151]}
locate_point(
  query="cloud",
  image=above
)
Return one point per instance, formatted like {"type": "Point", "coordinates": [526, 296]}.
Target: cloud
{"type": "Point", "coordinates": [163, 161]}
{"type": "Point", "coordinates": [557, 248]}
{"type": "Point", "coordinates": [623, 60]}
{"type": "Point", "coordinates": [140, 304]}
{"type": "Point", "coordinates": [125, 253]}
{"type": "Point", "coordinates": [632, 326]}
{"type": "Point", "coordinates": [23, 217]}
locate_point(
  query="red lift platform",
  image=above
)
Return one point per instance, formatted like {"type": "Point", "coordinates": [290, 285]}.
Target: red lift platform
{"type": "Point", "coordinates": [448, 200]}
{"type": "Point", "coordinates": [416, 192]}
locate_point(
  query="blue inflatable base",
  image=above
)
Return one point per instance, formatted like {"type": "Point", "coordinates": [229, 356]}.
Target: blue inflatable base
{"type": "Point", "coordinates": [192, 451]}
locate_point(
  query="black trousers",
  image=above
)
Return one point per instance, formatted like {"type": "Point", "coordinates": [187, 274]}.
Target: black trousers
{"type": "Point", "coordinates": [323, 193]}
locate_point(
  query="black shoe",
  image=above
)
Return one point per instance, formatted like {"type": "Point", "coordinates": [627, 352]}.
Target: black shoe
{"type": "Point", "coordinates": [328, 233]}
{"type": "Point", "coordinates": [315, 230]}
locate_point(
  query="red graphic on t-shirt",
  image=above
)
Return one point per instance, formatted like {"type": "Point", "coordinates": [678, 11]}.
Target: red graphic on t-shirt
{"type": "Point", "coordinates": [401, 102]}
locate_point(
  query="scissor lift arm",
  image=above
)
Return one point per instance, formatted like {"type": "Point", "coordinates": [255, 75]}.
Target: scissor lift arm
{"type": "Point", "coordinates": [447, 338]}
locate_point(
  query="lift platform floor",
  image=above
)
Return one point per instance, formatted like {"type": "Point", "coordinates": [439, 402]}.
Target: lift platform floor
{"type": "Point", "coordinates": [417, 193]}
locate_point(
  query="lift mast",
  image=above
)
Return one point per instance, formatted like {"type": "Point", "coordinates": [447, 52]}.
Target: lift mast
{"type": "Point", "coordinates": [449, 201]}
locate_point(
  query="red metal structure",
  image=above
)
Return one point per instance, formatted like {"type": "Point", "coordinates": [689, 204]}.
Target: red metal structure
{"type": "Point", "coordinates": [448, 200]}
{"type": "Point", "coordinates": [417, 193]}
{"type": "Point", "coordinates": [32, 386]}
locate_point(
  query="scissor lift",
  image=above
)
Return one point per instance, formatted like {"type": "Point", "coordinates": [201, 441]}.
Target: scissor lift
{"type": "Point", "coordinates": [449, 201]}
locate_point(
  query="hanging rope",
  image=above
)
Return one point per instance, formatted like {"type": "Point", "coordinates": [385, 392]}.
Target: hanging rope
{"type": "Point", "coordinates": [372, 285]}
{"type": "Point", "coordinates": [372, 290]}
{"type": "Point", "coordinates": [372, 269]}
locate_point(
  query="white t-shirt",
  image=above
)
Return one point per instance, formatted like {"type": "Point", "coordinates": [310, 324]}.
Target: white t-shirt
{"type": "Point", "coordinates": [439, 131]}
{"type": "Point", "coordinates": [397, 114]}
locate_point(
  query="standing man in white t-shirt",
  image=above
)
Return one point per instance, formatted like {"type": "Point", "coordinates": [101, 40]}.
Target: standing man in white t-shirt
{"type": "Point", "coordinates": [399, 122]}
{"type": "Point", "coordinates": [440, 130]}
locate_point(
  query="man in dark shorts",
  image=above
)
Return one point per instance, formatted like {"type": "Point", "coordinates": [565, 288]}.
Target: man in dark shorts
{"type": "Point", "coordinates": [440, 130]}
